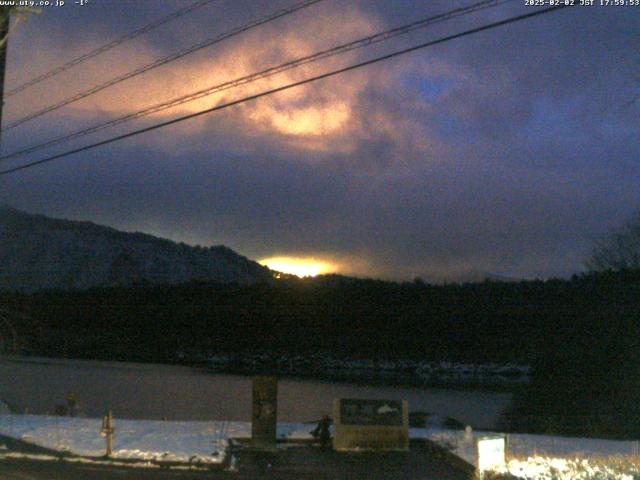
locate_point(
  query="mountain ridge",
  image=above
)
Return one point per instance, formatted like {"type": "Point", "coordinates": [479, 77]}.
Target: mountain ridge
{"type": "Point", "coordinates": [39, 252]}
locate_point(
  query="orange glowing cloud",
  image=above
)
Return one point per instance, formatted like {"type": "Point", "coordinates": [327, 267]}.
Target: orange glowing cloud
{"type": "Point", "coordinates": [324, 116]}
{"type": "Point", "coordinates": [255, 50]}
{"type": "Point", "coordinates": [306, 121]}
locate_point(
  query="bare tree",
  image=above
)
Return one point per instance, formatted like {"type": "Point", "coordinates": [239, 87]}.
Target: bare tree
{"type": "Point", "coordinates": [618, 250]}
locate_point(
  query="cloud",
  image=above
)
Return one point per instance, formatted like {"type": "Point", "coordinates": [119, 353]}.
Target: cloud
{"type": "Point", "coordinates": [506, 152]}
{"type": "Point", "coordinates": [303, 116]}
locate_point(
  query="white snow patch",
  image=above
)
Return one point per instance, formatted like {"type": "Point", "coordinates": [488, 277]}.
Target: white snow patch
{"type": "Point", "coordinates": [546, 468]}
{"type": "Point", "coordinates": [151, 440]}
{"type": "Point", "coordinates": [546, 456]}
{"type": "Point", "coordinates": [521, 445]}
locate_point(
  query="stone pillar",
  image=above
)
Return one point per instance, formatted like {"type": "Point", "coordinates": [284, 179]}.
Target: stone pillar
{"type": "Point", "coordinates": [265, 412]}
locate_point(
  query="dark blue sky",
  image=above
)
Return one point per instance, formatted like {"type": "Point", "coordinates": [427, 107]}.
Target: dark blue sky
{"type": "Point", "coordinates": [504, 152]}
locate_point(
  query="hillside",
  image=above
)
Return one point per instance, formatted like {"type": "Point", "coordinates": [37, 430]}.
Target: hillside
{"type": "Point", "coordinates": [37, 252]}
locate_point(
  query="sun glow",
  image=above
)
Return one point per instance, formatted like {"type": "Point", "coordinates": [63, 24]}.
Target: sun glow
{"type": "Point", "coordinates": [309, 121]}
{"type": "Point", "coordinates": [301, 267]}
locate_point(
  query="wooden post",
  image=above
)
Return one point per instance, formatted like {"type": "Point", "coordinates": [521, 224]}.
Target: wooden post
{"type": "Point", "coordinates": [107, 431]}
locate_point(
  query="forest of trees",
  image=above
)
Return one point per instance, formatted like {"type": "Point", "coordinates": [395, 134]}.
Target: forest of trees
{"type": "Point", "coordinates": [490, 321]}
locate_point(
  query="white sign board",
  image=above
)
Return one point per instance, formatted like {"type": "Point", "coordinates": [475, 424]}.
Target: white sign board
{"type": "Point", "coordinates": [491, 454]}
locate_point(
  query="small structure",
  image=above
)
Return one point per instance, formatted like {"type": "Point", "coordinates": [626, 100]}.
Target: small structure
{"type": "Point", "coordinates": [492, 452]}
{"type": "Point", "coordinates": [370, 425]}
{"type": "Point", "coordinates": [265, 412]}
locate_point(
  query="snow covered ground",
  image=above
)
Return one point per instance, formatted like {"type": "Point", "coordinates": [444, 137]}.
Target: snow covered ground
{"type": "Point", "coordinates": [549, 457]}
{"type": "Point", "coordinates": [548, 468]}
{"type": "Point", "coordinates": [206, 443]}
{"type": "Point", "coordinates": [523, 445]}
{"type": "Point", "coordinates": [160, 441]}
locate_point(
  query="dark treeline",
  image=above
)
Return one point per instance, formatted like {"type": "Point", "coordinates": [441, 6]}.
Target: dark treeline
{"type": "Point", "coordinates": [581, 335]}
{"type": "Point", "coordinates": [483, 322]}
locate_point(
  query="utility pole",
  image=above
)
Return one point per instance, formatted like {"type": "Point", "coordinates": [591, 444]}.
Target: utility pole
{"type": "Point", "coordinates": [5, 12]}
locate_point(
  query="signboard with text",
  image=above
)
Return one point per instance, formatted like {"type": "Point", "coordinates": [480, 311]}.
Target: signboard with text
{"type": "Point", "coordinates": [371, 412]}
{"type": "Point", "coordinates": [491, 453]}
{"type": "Point", "coordinates": [364, 424]}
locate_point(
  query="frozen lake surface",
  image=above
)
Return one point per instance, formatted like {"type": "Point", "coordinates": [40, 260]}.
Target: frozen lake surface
{"type": "Point", "coordinates": [153, 391]}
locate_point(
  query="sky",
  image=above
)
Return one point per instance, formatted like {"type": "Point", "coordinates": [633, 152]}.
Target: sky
{"type": "Point", "coordinates": [508, 152]}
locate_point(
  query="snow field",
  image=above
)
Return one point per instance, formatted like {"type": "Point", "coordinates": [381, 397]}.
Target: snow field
{"type": "Point", "coordinates": [539, 457]}
{"type": "Point", "coordinates": [161, 441]}
{"type": "Point", "coordinates": [546, 468]}
{"type": "Point", "coordinates": [546, 457]}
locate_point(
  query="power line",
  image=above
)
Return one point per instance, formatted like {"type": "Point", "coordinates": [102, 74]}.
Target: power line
{"type": "Point", "coordinates": [94, 53]}
{"type": "Point", "coordinates": [163, 61]}
{"type": "Point", "coordinates": [360, 43]}
{"type": "Point", "coordinates": [289, 86]}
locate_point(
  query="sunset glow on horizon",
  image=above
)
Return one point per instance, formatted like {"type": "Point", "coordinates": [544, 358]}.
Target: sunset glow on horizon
{"type": "Point", "coordinates": [299, 266]}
